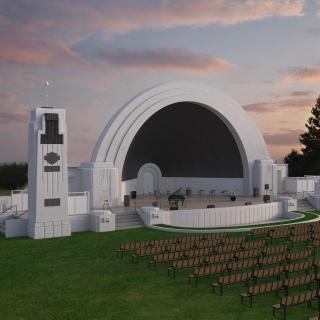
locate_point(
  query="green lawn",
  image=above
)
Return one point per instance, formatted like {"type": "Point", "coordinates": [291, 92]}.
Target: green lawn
{"type": "Point", "coordinates": [4, 192]}
{"type": "Point", "coordinates": [80, 277]}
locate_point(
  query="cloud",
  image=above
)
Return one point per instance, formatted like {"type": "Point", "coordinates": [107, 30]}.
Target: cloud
{"type": "Point", "coordinates": [267, 107]}
{"type": "Point", "coordinates": [300, 74]}
{"type": "Point", "coordinates": [301, 93]}
{"type": "Point", "coordinates": [115, 17]}
{"type": "Point", "coordinates": [162, 60]}
{"type": "Point", "coordinates": [286, 138]}
{"type": "Point", "coordinates": [12, 111]}
{"type": "Point", "coordinates": [21, 50]}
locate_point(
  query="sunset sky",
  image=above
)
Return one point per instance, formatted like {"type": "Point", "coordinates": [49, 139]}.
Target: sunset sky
{"type": "Point", "coordinates": [97, 54]}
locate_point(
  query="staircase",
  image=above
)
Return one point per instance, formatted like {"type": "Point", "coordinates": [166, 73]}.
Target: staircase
{"type": "Point", "coordinates": [304, 205]}
{"type": "Point", "coordinates": [127, 218]}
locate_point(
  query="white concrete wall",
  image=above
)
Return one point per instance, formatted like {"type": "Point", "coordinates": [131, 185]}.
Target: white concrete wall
{"type": "Point", "coordinates": [216, 217]}
{"type": "Point", "coordinates": [74, 179]}
{"type": "Point", "coordinates": [299, 184]}
{"type": "Point", "coordinates": [16, 228]}
{"type": "Point", "coordinates": [79, 222]}
{"type": "Point", "coordinates": [78, 203]}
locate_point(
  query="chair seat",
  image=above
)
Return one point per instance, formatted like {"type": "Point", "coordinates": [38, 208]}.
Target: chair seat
{"type": "Point", "coordinates": [246, 294]}
{"type": "Point", "coordinates": [216, 284]}
{"type": "Point", "coordinates": [277, 306]}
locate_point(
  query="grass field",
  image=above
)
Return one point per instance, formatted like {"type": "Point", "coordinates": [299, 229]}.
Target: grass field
{"type": "Point", "coordinates": [80, 277]}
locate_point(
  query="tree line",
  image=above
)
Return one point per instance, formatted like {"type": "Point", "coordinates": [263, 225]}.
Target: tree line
{"type": "Point", "coordinates": [307, 160]}
{"type": "Point", "coordinates": [13, 175]}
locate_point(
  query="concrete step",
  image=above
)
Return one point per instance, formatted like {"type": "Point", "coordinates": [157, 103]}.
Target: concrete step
{"type": "Point", "coordinates": [127, 218]}
{"type": "Point", "coordinates": [304, 205]}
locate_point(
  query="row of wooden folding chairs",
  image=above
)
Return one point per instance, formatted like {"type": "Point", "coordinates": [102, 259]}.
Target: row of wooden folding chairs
{"type": "Point", "coordinates": [182, 247]}
{"type": "Point", "coordinates": [239, 249]}
{"type": "Point", "coordinates": [251, 275]}
{"type": "Point", "coordinates": [278, 285]}
{"type": "Point", "coordinates": [300, 238]}
{"type": "Point", "coordinates": [125, 247]}
{"type": "Point", "coordinates": [256, 274]}
{"type": "Point", "coordinates": [298, 267]}
{"type": "Point", "coordinates": [288, 301]}
{"type": "Point", "coordinates": [294, 229]}
{"type": "Point", "coordinates": [207, 251]}
{"type": "Point", "coordinates": [299, 255]}
{"type": "Point", "coordinates": [222, 268]}
{"type": "Point", "coordinates": [213, 248]}
{"type": "Point", "coordinates": [232, 240]}
{"type": "Point", "coordinates": [263, 259]}
{"type": "Point", "coordinates": [179, 255]}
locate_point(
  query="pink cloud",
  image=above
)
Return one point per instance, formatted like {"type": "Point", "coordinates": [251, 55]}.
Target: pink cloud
{"type": "Point", "coordinates": [163, 60]}
{"type": "Point", "coordinates": [12, 110]}
{"type": "Point", "coordinates": [21, 50]}
{"type": "Point", "coordinates": [302, 75]}
{"type": "Point", "coordinates": [272, 106]}
{"type": "Point", "coordinates": [81, 19]}
{"type": "Point", "coordinates": [285, 137]}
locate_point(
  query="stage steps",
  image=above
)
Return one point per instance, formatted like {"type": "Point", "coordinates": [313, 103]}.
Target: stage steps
{"type": "Point", "coordinates": [304, 205]}
{"type": "Point", "coordinates": [127, 218]}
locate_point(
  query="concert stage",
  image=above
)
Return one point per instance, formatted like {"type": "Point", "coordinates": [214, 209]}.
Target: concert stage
{"type": "Point", "coordinates": [194, 202]}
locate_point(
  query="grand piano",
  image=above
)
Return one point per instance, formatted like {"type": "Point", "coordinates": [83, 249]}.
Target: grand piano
{"type": "Point", "coordinates": [175, 197]}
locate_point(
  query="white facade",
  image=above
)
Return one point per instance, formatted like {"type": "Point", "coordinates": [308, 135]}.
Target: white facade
{"type": "Point", "coordinates": [102, 176]}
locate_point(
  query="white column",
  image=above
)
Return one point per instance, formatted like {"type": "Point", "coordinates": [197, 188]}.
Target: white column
{"type": "Point", "coordinates": [47, 174]}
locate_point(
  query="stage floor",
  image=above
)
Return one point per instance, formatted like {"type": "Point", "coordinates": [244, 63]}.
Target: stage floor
{"type": "Point", "coordinates": [194, 202]}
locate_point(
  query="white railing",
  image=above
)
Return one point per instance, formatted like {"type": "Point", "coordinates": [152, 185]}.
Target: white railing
{"type": "Point", "coordinates": [19, 198]}
{"type": "Point", "coordinates": [78, 203]}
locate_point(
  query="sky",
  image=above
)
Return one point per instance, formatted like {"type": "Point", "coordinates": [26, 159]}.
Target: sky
{"type": "Point", "coordinates": [97, 54]}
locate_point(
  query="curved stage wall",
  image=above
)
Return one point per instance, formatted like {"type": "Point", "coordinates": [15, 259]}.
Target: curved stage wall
{"type": "Point", "coordinates": [184, 140]}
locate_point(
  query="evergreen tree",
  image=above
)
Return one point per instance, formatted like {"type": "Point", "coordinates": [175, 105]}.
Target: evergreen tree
{"type": "Point", "coordinates": [311, 141]}
{"type": "Point", "coordinates": [294, 160]}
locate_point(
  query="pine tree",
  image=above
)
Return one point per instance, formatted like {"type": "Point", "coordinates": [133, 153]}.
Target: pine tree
{"type": "Point", "coordinates": [311, 142]}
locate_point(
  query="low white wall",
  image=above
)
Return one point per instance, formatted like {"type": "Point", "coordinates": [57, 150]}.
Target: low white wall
{"type": "Point", "coordinates": [216, 217]}
{"type": "Point", "coordinates": [79, 222]}
{"type": "Point", "coordinates": [19, 198]}
{"type": "Point", "coordinates": [16, 228]}
{"type": "Point", "coordinates": [299, 184]}
{"type": "Point", "coordinates": [195, 184]}
{"type": "Point", "coordinates": [288, 204]}
{"type": "Point", "coordinates": [78, 202]}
